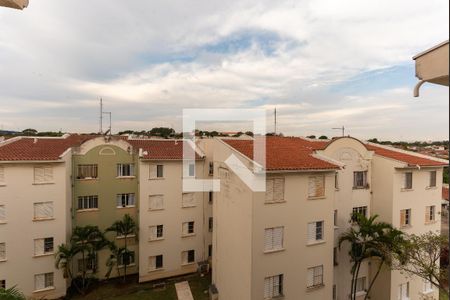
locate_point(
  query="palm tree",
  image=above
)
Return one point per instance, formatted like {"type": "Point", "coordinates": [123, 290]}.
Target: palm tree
{"type": "Point", "coordinates": [88, 240]}
{"type": "Point", "coordinates": [369, 239]}
{"type": "Point", "coordinates": [11, 294]}
{"type": "Point", "coordinates": [63, 260]}
{"type": "Point", "coordinates": [124, 228]}
{"type": "Point", "coordinates": [113, 259]}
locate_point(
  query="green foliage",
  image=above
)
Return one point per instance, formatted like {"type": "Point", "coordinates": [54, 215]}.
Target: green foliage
{"type": "Point", "coordinates": [323, 137]}
{"type": "Point", "coordinates": [11, 294]}
{"type": "Point", "coordinates": [445, 175]}
{"type": "Point", "coordinates": [311, 137]}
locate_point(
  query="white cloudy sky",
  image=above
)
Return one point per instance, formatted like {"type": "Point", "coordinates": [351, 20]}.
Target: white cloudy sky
{"type": "Point", "coordinates": [322, 63]}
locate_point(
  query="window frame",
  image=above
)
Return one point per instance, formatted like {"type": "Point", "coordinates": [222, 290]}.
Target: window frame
{"type": "Point", "coordinates": [407, 181]}
{"type": "Point", "coordinates": [274, 245]}
{"type": "Point", "coordinates": [125, 170]}
{"type": "Point", "coordinates": [92, 170]}
{"type": "Point", "coordinates": [152, 198]}
{"type": "Point", "coordinates": [315, 276]}
{"type": "Point", "coordinates": [364, 180]}
{"type": "Point", "coordinates": [86, 202]}
{"type": "Point", "coordinates": [433, 179]}
{"type": "Point", "coordinates": [276, 287]}
{"type": "Point", "coordinates": [125, 200]}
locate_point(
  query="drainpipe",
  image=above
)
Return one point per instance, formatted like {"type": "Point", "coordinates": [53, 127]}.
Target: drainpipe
{"type": "Point", "coordinates": [417, 87]}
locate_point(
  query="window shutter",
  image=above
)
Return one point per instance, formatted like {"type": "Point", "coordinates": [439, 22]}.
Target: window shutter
{"type": "Point", "coordinates": [184, 257]}
{"type": "Point", "coordinates": [278, 189]}
{"type": "Point", "coordinates": [131, 199]}
{"type": "Point", "coordinates": [310, 277]}
{"type": "Point", "coordinates": [2, 213]}
{"type": "Point", "coordinates": [185, 228]}
{"type": "Point", "coordinates": [151, 263]}
{"type": "Point", "coordinates": [312, 231]}
{"type": "Point", "coordinates": [311, 187]}
{"type": "Point", "coordinates": [38, 246]}
{"type": "Point", "coordinates": [39, 281]}
{"type": "Point", "coordinates": [48, 174]}
{"type": "Point", "coordinates": [427, 214]}
{"type": "Point", "coordinates": [320, 188]}
{"type": "Point", "coordinates": [153, 172]}
{"type": "Point", "coordinates": [131, 169]}
{"type": "Point", "coordinates": [268, 239]}
{"type": "Point", "coordinates": [276, 286]}
{"type": "Point", "coordinates": [188, 199]}
{"type": "Point", "coordinates": [38, 174]}
{"type": "Point", "coordinates": [402, 217]}
{"type": "Point", "coordinates": [38, 210]}
{"type": "Point", "coordinates": [2, 251]}
{"type": "Point", "coordinates": [267, 288]}
{"type": "Point", "coordinates": [278, 238]}
{"type": "Point", "coordinates": [269, 190]}
{"type": "Point", "coordinates": [153, 232]}
{"type": "Point", "coordinates": [119, 200]}
{"type": "Point", "coordinates": [47, 209]}
{"type": "Point", "coordinates": [2, 174]}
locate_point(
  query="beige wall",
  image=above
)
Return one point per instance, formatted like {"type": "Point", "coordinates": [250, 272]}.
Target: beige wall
{"type": "Point", "coordinates": [172, 217]}
{"type": "Point", "coordinates": [18, 195]}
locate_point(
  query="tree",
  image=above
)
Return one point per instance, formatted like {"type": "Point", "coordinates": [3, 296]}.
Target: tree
{"type": "Point", "coordinates": [124, 228]}
{"type": "Point", "coordinates": [29, 132]}
{"type": "Point", "coordinates": [369, 239]}
{"type": "Point", "coordinates": [323, 137]}
{"type": "Point", "coordinates": [11, 294]}
{"type": "Point", "coordinates": [420, 257]}
{"type": "Point", "coordinates": [311, 137]}
{"type": "Point", "coordinates": [374, 140]}
{"type": "Point", "coordinates": [63, 260]}
{"type": "Point", "coordinates": [88, 240]}
{"type": "Point", "coordinates": [249, 133]}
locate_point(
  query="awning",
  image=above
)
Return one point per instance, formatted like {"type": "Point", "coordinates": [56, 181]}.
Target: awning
{"type": "Point", "coordinates": [432, 66]}
{"type": "Point", "coordinates": [17, 4]}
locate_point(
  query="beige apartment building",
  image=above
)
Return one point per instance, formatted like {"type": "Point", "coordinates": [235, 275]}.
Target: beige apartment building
{"type": "Point", "coordinates": [260, 245]}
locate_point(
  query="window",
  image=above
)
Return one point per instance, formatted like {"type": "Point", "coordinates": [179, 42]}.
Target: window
{"type": "Point", "coordinates": [125, 200]}
{"type": "Point", "coordinates": [407, 183]}
{"type": "Point", "coordinates": [427, 286]}
{"type": "Point", "coordinates": [191, 169]}
{"type": "Point", "coordinates": [273, 239]}
{"type": "Point", "coordinates": [211, 194]}
{"type": "Point", "coordinates": [43, 174]}
{"type": "Point", "coordinates": [273, 286]}
{"type": "Point", "coordinates": [2, 214]}
{"type": "Point", "coordinates": [210, 250]}
{"type": "Point", "coordinates": [127, 259]}
{"type": "Point", "coordinates": [43, 210]}
{"type": "Point", "coordinates": [315, 232]}
{"type": "Point", "coordinates": [188, 257]}
{"type": "Point", "coordinates": [335, 256]}
{"type": "Point", "coordinates": [316, 186]}
{"type": "Point", "coordinates": [87, 171]}
{"type": "Point", "coordinates": [125, 170]}
{"type": "Point", "coordinates": [274, 190]}
{"type": "Point", "coordinates": [156, 171]}
{"type": "Point", "coordinates": [2, 174]}
{"type": "Point", "coordinates": [90, 264]}
{"type": "Point", "coordinates": [156, 202]}
{"type": "Point", "coordinates": [430, 215]}
{"type": "Point", "coordinates": [3, 284]}
{"type": "Point", "coordinates": [360, 179]}
{"type": "Point", "coordinates": [432, 179]}
{"type": "Point", "coordinates": [2, 251]}
{"type": "Point", "coordinates": [315, 277]}
{"type": "Point", "coordinates": [360, 284]}
{"type": "Point", "coordinates": [156, 232]}
{"type": "Point", "coordinates": [405, 217]}
{"type": "Point", "coordinates": [211, 169]}
{"type": "Point", "coordinates": [87, 202]}
{"type": "Point", "coordinates": [362, 210]}
{"type": "Point", "coordinates": [210, 224]}
{"type": "Point", "coordinates": [43, 246]}
{"type": "Point", "coordinates": [336, 180]}
{"type": "Point", "coordinates": [188, 228]}
{"type": "Point", "coordinates": [188, 200]}
{"type": "Point", "coordinates": [43, 281]}
{"type": "Point", "coordinates": [403, 293]}
{"type": "Point", "coordinates": [155, 262]}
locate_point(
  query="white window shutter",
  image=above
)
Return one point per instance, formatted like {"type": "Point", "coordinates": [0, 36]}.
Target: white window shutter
{"type": "Point", "coordinates": [160, 202]}
{"type": "Point", "coordinates": [38, 174]}
{"type": "Point", "coordinates": [151, 263]}
{"type": "Point", "coordinates": [268, 239]}
{"type": "Point", "coordinates": [310, 277]}
{"type": "Point", "coordinates": [38, 246]}
{"type": "Point", "coordinates": [131, 199]}
{"type": "Point", "coordinates": [267, 288]}
{"type": "Point", "coordinates": [278, 189]}
{"type": "Point", "coordinates": [38, 210]}
{"type": "Point", "coordinates": [39, 281]}
{"type": "Point", "coordinates": [312, 187]}
{"type": "Point", "coordinates": [312, 231]}
{"type": "Point", "coordinates": [48, 209]}
{"type": "Point", "coordinates": [2, 213]}
{"type": "Point", "coordinates": [269, 190]}
{"type": "Point", "coordinates": [184, 257]}
{"type": "Point", "coordinates": [185, 228]}
{"type": "Point", "coordinates": [2, 174]}
{"type": "Point", "coordinates": [153, 234]}
{"type": "Point", "coordinates": [153, 171]}
{"type": "Point", "coordinates": [275, 286]}
{"type": "Point", "coordinates": [119, 200]}
{"type": "Point", "coordinates": [2, 251]}
{"type": "Point", "coordinates": [48, 174]}
{"type": "Point", "coordinates": [278, 238]}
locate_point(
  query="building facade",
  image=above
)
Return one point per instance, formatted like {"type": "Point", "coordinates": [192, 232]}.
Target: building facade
{"type": "Point", "coordinates": [282, 242]}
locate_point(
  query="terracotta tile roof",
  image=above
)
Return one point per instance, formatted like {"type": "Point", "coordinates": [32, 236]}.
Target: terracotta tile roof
{"type": "Point", "coordinates": [41, 148]}
{"type": "Point", "coordinates": [285, 153]}
{"type": "Point", "coordinates": [410, 159]}
{"type": "Point", "coordinates": [445, 193]}
{"type": "Point", "coordinates": [161, 149]}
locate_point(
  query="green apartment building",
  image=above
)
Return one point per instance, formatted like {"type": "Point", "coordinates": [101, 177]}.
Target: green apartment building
{"type": "Point", "coordinates": [105, 188]}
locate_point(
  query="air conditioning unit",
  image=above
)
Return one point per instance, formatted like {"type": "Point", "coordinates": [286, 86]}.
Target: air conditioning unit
{"type": "Point", "coordinates": [203, 267]}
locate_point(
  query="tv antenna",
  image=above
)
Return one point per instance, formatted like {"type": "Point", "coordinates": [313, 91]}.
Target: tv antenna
{"type": "Point", "coordinates": [275, 121]}
{"type": "Point", "coordinates": [340, 128]}
{"type": "Point", "coordinates": [101, 118]}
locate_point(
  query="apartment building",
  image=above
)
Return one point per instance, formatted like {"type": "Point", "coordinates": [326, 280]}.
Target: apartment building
{"type": "Point", "coordinates": [35, 202]}
{"type": "Point", "coordinates": [260, 245]}
{"type": "Point", "coordinates": [105, 188]}
{"type": "Point", "coordinates": [402, 187]}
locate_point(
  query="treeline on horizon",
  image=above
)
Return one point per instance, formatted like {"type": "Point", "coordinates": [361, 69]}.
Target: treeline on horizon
{"type": "Point", "coordinates": [167, 132]}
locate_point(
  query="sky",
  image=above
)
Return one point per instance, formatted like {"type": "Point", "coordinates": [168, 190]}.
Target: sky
{"type": "Point", "coordinates": [321, 63]}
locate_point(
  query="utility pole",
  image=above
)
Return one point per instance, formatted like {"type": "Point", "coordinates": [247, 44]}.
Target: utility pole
{"type": "Point", "coordinates": [340, 128]}
{"type": "Point", "coordinates": [108, 113]}
{"type": "Point", "coordinates": [275, 121]}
